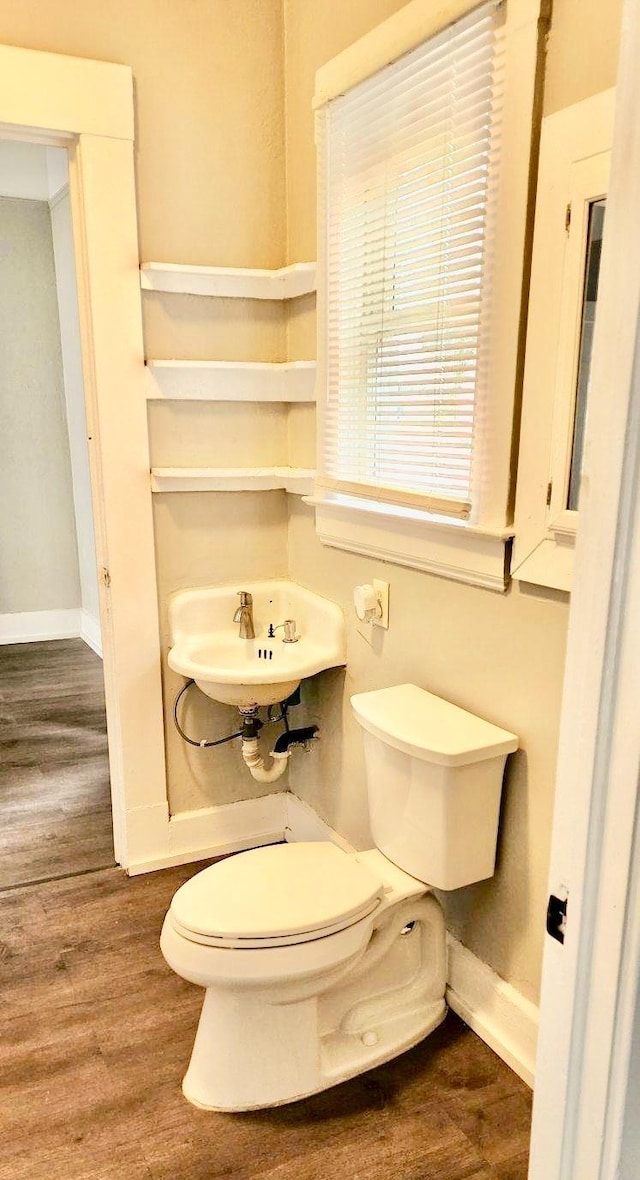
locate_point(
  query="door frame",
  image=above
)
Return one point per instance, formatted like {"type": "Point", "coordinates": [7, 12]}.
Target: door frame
{"type": "Point", "coordinates": [590, 982]}
{"type": "Point", "coordinates": [87, 107]}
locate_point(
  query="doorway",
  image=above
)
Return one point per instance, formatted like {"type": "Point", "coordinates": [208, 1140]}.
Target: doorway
{"type": "Point", "coordinates": [55, 815]}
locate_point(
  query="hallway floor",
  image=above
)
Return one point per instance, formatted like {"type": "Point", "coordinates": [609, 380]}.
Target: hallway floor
{"type": "Point", "coordinates": [96, 1033]}
{"type": "Point", "coordinates": [55, 804]}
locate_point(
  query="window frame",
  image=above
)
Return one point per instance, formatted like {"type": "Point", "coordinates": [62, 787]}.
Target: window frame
{"type": "Point", "coordinates": [474, 551]}
{"type": "Point", "coordinates": [575, 150]}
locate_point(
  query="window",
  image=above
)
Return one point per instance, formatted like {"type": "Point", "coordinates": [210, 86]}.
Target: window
{"type": "Point", "coordinates": [422, 240]}
{"type": "Point", "coordinates": [570, 223]}
{"type": "Point", "coordinates": [411, 157]}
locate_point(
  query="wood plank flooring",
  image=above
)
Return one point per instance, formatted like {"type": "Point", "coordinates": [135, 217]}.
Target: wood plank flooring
{"type": "Point", "coordinates": [55, 806]}
{"type": "Point", "coordinates": [96, 1032]}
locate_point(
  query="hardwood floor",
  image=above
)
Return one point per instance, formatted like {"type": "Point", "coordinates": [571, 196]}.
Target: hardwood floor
{"type": "Point", "coordinates": [55, 807]}
{"type": "Point", "coordinates": [96, 1033]}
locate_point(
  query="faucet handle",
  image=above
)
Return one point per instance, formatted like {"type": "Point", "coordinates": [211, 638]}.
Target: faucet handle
{"type": "Point", "coordinates": [246, 599]}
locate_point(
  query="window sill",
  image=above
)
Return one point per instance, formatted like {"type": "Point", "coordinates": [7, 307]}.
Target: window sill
{"type": "Point", "coordinates": [439, 545]}
{"type": "Point", "coordinates": [549, 564]}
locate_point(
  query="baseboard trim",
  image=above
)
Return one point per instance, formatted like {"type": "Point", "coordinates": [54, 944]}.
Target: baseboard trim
{"type": "Point", "coordinates": [208, 832]}
{"type": "Point", "coordinates": [90, 632]}
{"type": "Point", "coordinates": [499, 1014]}
{"type": "Point", "coordinates": [217, 831]}
{"type": "Point", "coordinates": [36, 625]}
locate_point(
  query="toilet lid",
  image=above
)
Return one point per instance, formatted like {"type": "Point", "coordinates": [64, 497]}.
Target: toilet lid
{"type": "Point", "coordinates": [275, 894]}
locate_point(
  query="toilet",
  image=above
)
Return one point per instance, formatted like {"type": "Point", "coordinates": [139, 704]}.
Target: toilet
{"type": "Point", "coordinates": [317, 963]}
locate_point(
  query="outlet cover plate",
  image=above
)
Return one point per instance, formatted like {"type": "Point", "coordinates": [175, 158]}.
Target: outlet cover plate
{"type": "Point", "coordinates": [382, 591]}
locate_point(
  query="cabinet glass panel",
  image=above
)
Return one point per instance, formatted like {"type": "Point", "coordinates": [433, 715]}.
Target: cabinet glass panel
{"type": "Point", "coordinates": [589, 302]}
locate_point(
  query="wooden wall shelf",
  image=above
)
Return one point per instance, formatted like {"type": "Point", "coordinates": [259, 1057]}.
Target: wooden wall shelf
{"type": "Point", "coordinates": [231, 381]}
{"type": "Point", "coordinates": [297, 480]}
{"type": "Point", "coordinates": [227, 282]}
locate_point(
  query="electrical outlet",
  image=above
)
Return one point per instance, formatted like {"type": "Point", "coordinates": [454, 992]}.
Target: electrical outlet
{"type": "Point", "coordinates": [382, 592]}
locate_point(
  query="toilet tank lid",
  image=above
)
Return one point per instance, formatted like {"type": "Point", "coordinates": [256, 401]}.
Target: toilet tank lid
{"type": "Point", "coordinates": [428, 727]}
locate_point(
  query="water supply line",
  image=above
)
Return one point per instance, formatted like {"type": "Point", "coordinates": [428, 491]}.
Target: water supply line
{"type": "Point", "coordinates": [200, 743]}
{"type": "Point", "coordinates": [251, 726]}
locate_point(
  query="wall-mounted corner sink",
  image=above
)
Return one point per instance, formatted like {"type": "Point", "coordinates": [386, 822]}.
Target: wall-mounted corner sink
{"type": "Point", "coordinates": [205, 644]}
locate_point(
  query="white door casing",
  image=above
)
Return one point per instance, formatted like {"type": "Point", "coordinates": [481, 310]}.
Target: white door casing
{"type": "Point", "coordinates": [590, 982]}
{"type": "Point", "coordinates": [87, 107]}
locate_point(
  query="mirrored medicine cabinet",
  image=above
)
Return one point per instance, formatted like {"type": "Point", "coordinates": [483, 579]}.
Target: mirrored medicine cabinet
{"type": "Point", "coordinates": [568, 235]}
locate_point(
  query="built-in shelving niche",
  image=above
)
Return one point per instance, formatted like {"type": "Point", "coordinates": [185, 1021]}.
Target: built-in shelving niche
{"type": "Point", "coordinates": [248, 381]}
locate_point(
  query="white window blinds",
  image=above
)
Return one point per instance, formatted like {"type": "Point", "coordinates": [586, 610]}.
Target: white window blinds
{"type": "Point", "coordinates": [409, 173]}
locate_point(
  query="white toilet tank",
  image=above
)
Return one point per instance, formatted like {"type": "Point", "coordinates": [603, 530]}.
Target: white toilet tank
{"type": "Point", "coordinates": [434, 777]}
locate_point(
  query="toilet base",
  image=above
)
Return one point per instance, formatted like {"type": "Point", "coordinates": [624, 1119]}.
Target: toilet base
{"type": "Point", "coordinates": [384, 1053]}
{"type": "Point", "coordinates": [263, 1047]}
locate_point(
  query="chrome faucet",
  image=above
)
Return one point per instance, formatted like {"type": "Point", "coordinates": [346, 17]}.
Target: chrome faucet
{"type": "Point", "coordinates": [244, 615]}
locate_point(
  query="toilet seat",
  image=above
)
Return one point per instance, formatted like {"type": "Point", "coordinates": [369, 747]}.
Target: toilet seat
{"type": "Point", "coordinates": [279, 895]}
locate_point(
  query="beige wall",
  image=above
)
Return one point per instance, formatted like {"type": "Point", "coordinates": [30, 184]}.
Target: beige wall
{"type": "Point", "coordinates": [583, 51]}
{"type": "Point", "coordinates": [500, 656]}
{"type": "Point", "coordinates": [208, 85]}
{"type": "Point", "coordinates": [38, 553]}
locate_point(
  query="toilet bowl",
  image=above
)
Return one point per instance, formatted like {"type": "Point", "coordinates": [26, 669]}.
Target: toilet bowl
{"type": "Point", "coordinates": [318, 963]}
{"type": "Point", "coordinates": [293, 1005]}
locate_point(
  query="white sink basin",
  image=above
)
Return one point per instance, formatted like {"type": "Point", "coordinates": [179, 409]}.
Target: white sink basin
{"type": "Point", "coordinates": [206, 647]}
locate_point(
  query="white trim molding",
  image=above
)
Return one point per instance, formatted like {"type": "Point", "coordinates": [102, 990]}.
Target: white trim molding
{"type": "Point", "coordinates": [229, 282]}
{"type": "Point", "coordinates": [590, 979]}
{"type": "Point", "coordinates": [78, 96]}
{"type": "Point", "coordinates": [90, 632]}
{"type": "Point", "coordinates": [415, 22]}
{"type": "Point", "coordinates": [500, 1015]}
{"type": "Point", "coordinates": [208, 832]}
{"type": "Point", "coordinates": [62, 194]}
{"type": "Point", "coordinates": [42, 625]}
{"type": "Point", "coordinates": [447, 548]}
{"type": "Point", "coordinates": [297, 480]}
{"type": "Point", "coordinates": [35, 625]}
{"type": "Point", "coordinates": [231, 381]}
{"type": "Point", "coordinates": [87, 107]}
{"type": "Point", "coordinates": [231, 827]}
